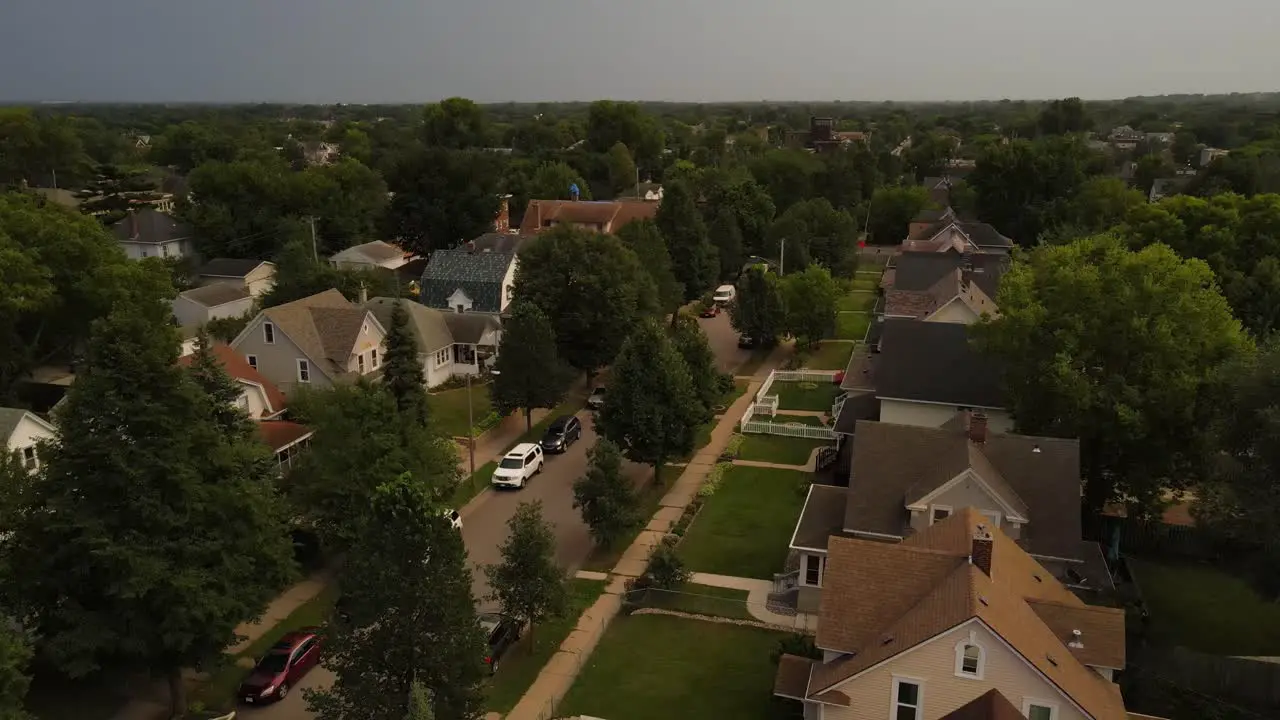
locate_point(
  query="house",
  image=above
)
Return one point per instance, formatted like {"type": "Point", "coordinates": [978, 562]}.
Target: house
{"type": "Point", "coordinates": [1208, 155]}
{"type": "Point", "coordinates": [922, 374]}
{"type": "Point", "coordinates": [647, 191]}
{"type": "Point", "coordinates": [931, 216]}
{"type": "Point", "coordinates": [319, 153]}
{"type": "Point", "coordinates": [479, 276]}
{"type": "Point", "coordinates": [1162, 188]}
{"type": "Point", "coordinates": [198, 306]}
{"type": "Point", "coordinates": [954, 298]}
{"type": "Point", "coordinates": [449, 344]}
{"type": "Point", "coordinates": [316, 341]}
{"type": "Point", "coordinates": [920, 271]}
{"type": "Point", "coordinates": [376, 254]}
{"type": "Point", "coordinates": [147, 232]}
{"type": "Point", "coordinates": [904, 479]}
{"type": "Point", "coordinates": [265, 404]}
{"type": "Point", "coordinates": [255, 276]}
{"type": "Point", "coordinates": [939, 189]}
{"type": "Point", "coordinates": [822, 136]}
{"type": "Point", "coordinates": [22, 431]}
{"type": "Point", "coordinates": [956, 621]}
{"type": "Point", "coordinates": [602, 216]}
{"type": "Point", "coordinates": [952, 234]}
{"type": "Point", "coordinates": [1125, 137]}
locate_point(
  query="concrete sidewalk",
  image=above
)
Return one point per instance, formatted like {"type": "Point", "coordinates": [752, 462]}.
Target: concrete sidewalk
{"type": "Point", "coordinates": [758, 600]}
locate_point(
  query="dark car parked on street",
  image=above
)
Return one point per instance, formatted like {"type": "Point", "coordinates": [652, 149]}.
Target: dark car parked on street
{"type": "Point", "coordinates": [503, 632]}
{"type": "Point", "coordinates": [746, 342]}
{"type": "Point", "coordinates": [561, 433]}
{"type": "Point", "coordinates": [596, 400]}
{"type": "Point", "coordinates": [282, 667]}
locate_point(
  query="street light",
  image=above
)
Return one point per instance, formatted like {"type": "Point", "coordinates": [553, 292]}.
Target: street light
{"type": "Point", "coordinates": [471, 426]}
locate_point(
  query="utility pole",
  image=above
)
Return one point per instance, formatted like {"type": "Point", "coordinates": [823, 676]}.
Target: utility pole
{"type": "Point", "coordinates": [782, 259]}
{"type": "Point", "coordinates": [315, 253]}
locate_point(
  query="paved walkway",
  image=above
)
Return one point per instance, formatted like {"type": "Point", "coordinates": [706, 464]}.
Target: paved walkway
{"type": "Point", "coordinates": [758, 600]}
{"type": "Point", "coordinates": [810, 466]}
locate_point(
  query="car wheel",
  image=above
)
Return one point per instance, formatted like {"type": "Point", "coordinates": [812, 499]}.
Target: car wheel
{"type": "Point", "coordinates": [538, 470]}
{"type": "Point", "coordinates": [283, 691]}
{"type": "Point", "coordinates": [493, 666]}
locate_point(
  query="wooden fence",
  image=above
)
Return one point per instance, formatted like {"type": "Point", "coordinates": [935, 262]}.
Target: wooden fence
{"type": "Point", "coordinates": [1247, 681]}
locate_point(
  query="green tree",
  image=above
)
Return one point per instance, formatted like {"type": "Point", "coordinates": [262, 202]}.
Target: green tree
{"type": "Point", "coordinates": [757, 310]}
{"type": "Point", "coordinates": [891, 210]}
{"type": "Point", "coordinates": [552, 180]}
{"type": "Point", "coordinates": [159, 582]}
{"type": "Point", "coordinates": [929, 153]}
{"type": "Point", "coordinates": [646, 241]}
{"type": "Point", "coordinates": [652, 414]}
{"type": "Point", "coordinates": [1023, 187]}
{"type": "Point", "coordinates": [402, 372]}
{"type": "Point", "coordinates": [442, 197]}
{"type": "Point", "coordinates": [693, 256]}
{"type": "Point", "coordinates": [412, 621]}
{"type": "Point", "coordinates": [610, 122]}
{"type": "Point", "coordinates": [456, 123]}
{"type": "Point", "coordinates": [299, 275]}
{"type": "Point", "coordinates": [1103, 203]}
{"type": "Point", "coordinates": [622, 169]}
{"type": "Point", "coordinates": [527, 585]}
{"type": "Point", "coordinates": [1068, 115]}
{"type": "Point", "coordinates": [816, 232]}
{"type": "Point", "coordinates": [787, 175]}
{"type": "Point", "coordinates": [604, 495]}
{"type": "Point", "coordinates": [1150, 168]}
{"type": "Point", "coordinates": [347, 200]}
{"type": "Point", "coordinates": [528, 372]}
{"type": "Point", "coordinates": [15, 655]}
{"type": "Point", "coordinates": [593, 285]}
{"type": "Point", "coordinates": [849, 177]}
{"type": "Point", "coordinates": [419, 703]}
{"type": "Point", "coordinates": [736, 191]}
{"type": "Point", "coordinates": [1094, 340]}
{"type": "Point", "coordinates": [705, 380]}
{"type": "Point", "coordinates": [811, 299]}
{"type": "Point", "coordinates": [727, 240]}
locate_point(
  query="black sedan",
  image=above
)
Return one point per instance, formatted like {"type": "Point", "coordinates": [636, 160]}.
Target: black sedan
{"type": "Point", "coordinates": [563, 432]}
{"type": "Point", "coordinates": [503, 632]}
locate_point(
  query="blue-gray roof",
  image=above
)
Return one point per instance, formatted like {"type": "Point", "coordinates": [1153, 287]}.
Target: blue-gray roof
{"type": "Point", "coordinates": [478, 274]}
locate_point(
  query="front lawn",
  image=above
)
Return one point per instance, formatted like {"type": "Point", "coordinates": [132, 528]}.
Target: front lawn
{"type": "Point", "coordinates": [729, 398]}
{"type": "Point", "coordinates": [865, 282]}
{"type": "Point", "coordinates": [859, 300]}
{"type": "Point", "coordinates": [449, 408]}
{"type": "Point", "coordinates": [655, 666]}
{"type": "Point", "coordinates": [1207, 609]}
{"type": "Point", "coordinates": [521, 664]}
{"type": "Point", "coordinates": [830, 355]}
{"type": "Point", "coordinates": [805, 395]}
{"type": "Point", "coordinates": [744, 528]}
{"type": "Point", "coordinates": [701, 600]}
{"type": "Point", "coordinates": [604, 559]}
{"type": "Point", "coordinates": [852, 326]}
{"type": "Point", "coordinates": [779, 448]}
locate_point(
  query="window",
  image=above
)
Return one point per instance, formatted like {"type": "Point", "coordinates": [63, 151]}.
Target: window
{"type": "Point", "coordinates": [993, 516]}
{"type": "Point", "coordinates": [242, 402]}
{"type": "Point", "coordinates": [304, 371]}
{"type": "Point", "coordinates": [252, 360]}
{"type": "Point", "coordinates": [908, 699]}
{"type": "Point", "coordinates": [970, 658]}
{"type": "Point", "coordinates": [360, 363]}
{"type": "Point", "coordinates": [813, 570]}
{"type": "Point", "coordinates": [938, 513]}
{"type": "Point", "coordinates": [443, 355]}
{"type": "Point", "coordinates": [269, 333]}
{"type": "Point", "coordinates": [29, 460]}
{"type": "Point", "coordinates": [374, 356]}
{"type": "Point", "coordinates": [1039, 710]}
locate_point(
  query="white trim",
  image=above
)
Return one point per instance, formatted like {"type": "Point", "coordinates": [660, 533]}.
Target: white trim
{"type": "Point", "coordinates": [807, 496]}
{"type": "Point", "coordinates": [301, 364]}
{"type": "Point", "coordinates": [893, 695]}
{"type": "Point", "coordinates": [252, 361]}
{"type": "Point", "coordinates": [873, 535]}
{"type": "Point", "coordinates": [44, 424]}
{"type": "Point", "coordinates": [804, 570]}
{"type": "Point", "coordinates": [971, 641]}
{"type": "Point", "coordinates": [302, 439]}
{"type": "Point", "coordinates": [934, 508]}
{"type": "Point", "coordinates": [268, 325]}
{"type": "Point", "coordinates": [1075, 561]}
{"type": "Point", "coordinates": [1009, 511]}
{"type": "Point", "coordinates": [1027, 702]}
{"type": "Point", "coordinates": [936, 402]}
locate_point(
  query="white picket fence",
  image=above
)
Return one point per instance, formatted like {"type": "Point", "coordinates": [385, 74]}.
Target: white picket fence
{"type": "Point", "coordinates": [813, 432]}
{"type": "Point", "coordinates": [767, 405]}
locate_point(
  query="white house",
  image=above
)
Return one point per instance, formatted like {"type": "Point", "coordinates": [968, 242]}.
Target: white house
{"type": "Point", "coordinates": [449, 344]}
{"type": "Point", "coordinates": [151, 233]}
{"type": "Point", "coordinates": [256, 276]}
{"type": "Point", "coordinates": [22, 431]}
{"type": "Point", "coordinates": [376, 254]}
{"type": "Point", "coordinates": [211, 302]}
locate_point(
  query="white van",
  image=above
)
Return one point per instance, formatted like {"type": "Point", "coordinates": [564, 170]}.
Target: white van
{"type": "Point", "coordinates": [724, 295]}
{"type": "Point", "coordinates": [516, 467]}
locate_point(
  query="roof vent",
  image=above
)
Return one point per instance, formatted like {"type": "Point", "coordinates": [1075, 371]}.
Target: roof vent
{"type": "Point", "coordinates": [1052, 660]}
{"type": "Point", "coordinates": [983, 599]}
{"type": "Point", "coordinates": [1037, 577]}
{"type": "Point", "coordinates": [886, 639]}
{"type": "Point", "coordinates": [1035, 448]}
{"type": "Point", "coordinates": [1075, 640]}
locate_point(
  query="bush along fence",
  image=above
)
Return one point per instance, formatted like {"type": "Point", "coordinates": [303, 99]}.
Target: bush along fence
{"type": "Point", "coordinates": [766, 404]}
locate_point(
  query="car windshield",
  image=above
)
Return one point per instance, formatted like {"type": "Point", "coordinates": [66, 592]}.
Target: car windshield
{"type": "Point", "coordinates": [598, 391]}
{"type": "Point", "coordinates": [511, 463]}
{"type": "Point", "coordinates": [274, 662]}
{"type": "Point", "coordinates": [555, 431]}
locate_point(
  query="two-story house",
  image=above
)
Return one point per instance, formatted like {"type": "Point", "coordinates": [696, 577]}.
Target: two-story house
{"type": "Point", "coordinates": [953, 298]}
{"type": "Point", "coordinates": [449, 343]}
{"type": "Point", "coordinates": [22, 431]}
{"type": "Point", "coordinates": [951, 234]}
{"type": "Point", "coordinates": [255, 276]}
{"type": "Point", "coordinates": [602, 216]}
{"type": "Point", "coordinates": [478, 277]}
{"type": "Point", "coordinates": [150, 233]}
{"type": "Point", "coordinates": [316, 341]}
{"type": "Point", "coordinates": [956, 621]}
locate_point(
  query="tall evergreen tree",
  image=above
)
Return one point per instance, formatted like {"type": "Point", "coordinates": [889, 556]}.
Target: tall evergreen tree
{"type": "Point", "coordinates": [527, 583]}
{"type": "Point", "coordinates": [402, 372]}
{"type": "Point", "coordinates": [726, 236]}
{"type": "Point", "coordinates": [604, 495]}
{"type": "Point", "coordinates": [652, 413]}
{"type": "Point", "coordinates": [693, 256]}
{"type": "Point", "coordinates": [411, 618]}
{"type": "Point", "coordinates": [529, 373]}
{"type": "Point", "coordinates": [689, 340]}
{"type": "Point", "coordinates": [157, 532]}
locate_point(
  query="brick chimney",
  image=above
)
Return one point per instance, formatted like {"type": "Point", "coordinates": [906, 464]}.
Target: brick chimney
{"type": "Point", "coordinates": [502, 220]}
{"type": "Point", "coordinates": [978, 427]}
{"type": "Point", "coordinates": [980, 555]}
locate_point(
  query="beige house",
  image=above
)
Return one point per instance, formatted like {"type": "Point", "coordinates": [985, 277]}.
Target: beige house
{"type": "Point", "coordinates": [198, 306]}
{"type": "Point", "coordinates": [376, 254]}
{"type": "Point", "coordinates": [255, 276]}
{"type": "Point", "coordinates": [926, 628]}
{"type": "Point", "coordinates": [22, 431]}
{"type": "Point", "coordinates": [951, 234]}
{"type": "Point", "coordinates": [316, 341]}
{"type": "Point", "coordinates": [449, 344]}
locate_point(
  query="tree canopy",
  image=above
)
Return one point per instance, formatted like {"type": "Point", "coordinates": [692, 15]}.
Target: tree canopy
{"type": "Point", "coordinates": [529, 373]}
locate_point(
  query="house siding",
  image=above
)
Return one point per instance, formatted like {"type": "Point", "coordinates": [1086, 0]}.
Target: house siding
{"type": "Point", "coordinates": [279, 362]}
{"type": "Point", "coordinates": [508, 285]}
{"type": "Point", "coordinates": [257, 400]}
{"type": "Point", "coordinates": [934, 663]}
{"type": "Point", "coordinates": [966, 493]}
{"type": "Point", "coordinates": [258, 282]}
{"type": "Point", "coordinates": [370, 338]}
{"type": "Point", "coordinates": [27, 434]}
{"type": "Point", "coordinates": [174, 249]}
{"type": "Point", "coordinates": [189, 312]}
{"type": "Point", "coordinates": [903, 412]}
{"type": "Point", "coordinates": [954, 312]}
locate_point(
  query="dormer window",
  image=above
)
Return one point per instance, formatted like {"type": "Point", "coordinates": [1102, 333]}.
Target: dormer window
{"type": "Point", "coordinates": [938, 513]}
{"type": "Point", "coordinates": [971, 658]}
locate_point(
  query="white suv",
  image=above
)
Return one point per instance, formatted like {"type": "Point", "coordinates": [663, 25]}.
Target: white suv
{"type": "Point", "coordinates": [516, 467]}
{"type": "Point", "coordinates": [724, 295]}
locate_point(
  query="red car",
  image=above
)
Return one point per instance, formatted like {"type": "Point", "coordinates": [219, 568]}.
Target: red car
{"type": "Point", "coordinates": [282, 667]}
{"type": "Point", "coordinates": [710, 311]}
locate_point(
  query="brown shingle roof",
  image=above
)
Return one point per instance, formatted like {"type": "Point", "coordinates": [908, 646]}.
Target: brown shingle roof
{"type": "Point", "coordinates": [1101, 631]}
{"type": "Point", "coordinates": [793, 676]}
{"type": "Point", "coordinates": [216, 294]}
{"type": "Point", "coordinates": [611, 215]}
{"type": "Point", "coordinates": [324, 326]}
{"type": "Point", "coordinates": [279, 434]}
{"type": "Point", "coordinates": [240, 369]}
{"type": "Point", "coordinates": [991, 705]}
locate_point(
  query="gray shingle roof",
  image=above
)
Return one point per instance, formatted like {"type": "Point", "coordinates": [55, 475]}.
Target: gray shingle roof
{"type": "Point", "coordinates": [324, 326]}
{"type": "Point", "coordinates": [149, 226]}
{"type": "Point", "coordinates": [920, 271]}
{"type": "Point", "coordinates": [9, 419]}
{"type": "Point", "coordinates": [479, 275]}
{"type": "Point", "coordinates": [934, 362]}
{"type": "Point", "coordinates": [430, 331]}
{"type": "Point", "coordinates": [469, 327]}
{"type": "Point", "coordinates": [823, 514]}
{"type": "Point", "coordinates": [215, 294]}
{"type": "Point", "coordinates": [371, 252]}
{"type": "Point", "coordinates": [229, 267]}
{"type": "Point", "coordinates": [497, 242]}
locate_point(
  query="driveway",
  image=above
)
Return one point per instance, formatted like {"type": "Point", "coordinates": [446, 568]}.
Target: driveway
{"type": "Point", "coordinates": [723, 340]}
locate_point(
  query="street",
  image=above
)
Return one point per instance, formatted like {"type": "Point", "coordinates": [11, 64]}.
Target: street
{"type": "Point", "coordinates": [723, 340]}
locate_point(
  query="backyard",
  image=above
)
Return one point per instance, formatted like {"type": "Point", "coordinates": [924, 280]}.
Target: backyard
{"type": "Point", "coordinates": [829, 355]}
{"type": "Point", "coordinates": [865, 281]}
{"type": "Point", "coordinates": [449, 408]}
{"type": "Point", "coordinates": [744, 528]}
{"type": "Point", "coordinates": [852, 325]}
{"type": "Point", "coordinates": [862, 300]}
{"type": "Point", "coordinates": [814, 396]}
{"type": "Point", "coordinates": [654, 666]}
{"type": "Point", "coordinates": [780, 448]}
{"type": "Point", "coordinates": [1204, 608]}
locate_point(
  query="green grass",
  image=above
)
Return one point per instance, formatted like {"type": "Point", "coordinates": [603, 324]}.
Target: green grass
{"type": "Point", "coordinates": [852, 326]}
{"type": "Point", "coordinates": [830, 355]}
{"type": "Point", "coordinates": [648, 497]}
{"type": "Point", "coordinates": [744, 528]}
{"type": "Point", "coordinates": [449, 408]}
{"type": "Point", "coordinates": [523, 661]}
{"type": "Point", "coordinates": [219, 691]}
{"type": "Point", "coordinates": [701, 600]}
{"type": "Point", "coordinates": [779, 448]}
{"type": "Point", "coordinates": [865, 282]}
{"type": "Point", "coordinates": [863, 301]}
{"type": "Point", "coordinates": [653, 666]}
{"type": "Point", "coordinates": [813, 420]}
{"type": "Point", "coordinates": [739, 387]}
{"type": "Point", "coordinates": [701, 439]}
{"type": "Point", "coordinates": [805, 396]}
{"type": "Point", "coordinates": [1207, 609]}
{"type": "Point", "coordinates": [753, 363]}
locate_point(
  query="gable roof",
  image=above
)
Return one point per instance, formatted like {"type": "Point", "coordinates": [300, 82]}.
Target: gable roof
{"type": "Point", "coordinates": [370, 253]}
{"type": "Point", "coordinates": [280, 434]}
{"type": "Point", "coordinates": [211, 296]}
{"type": "Point", "coordinates": [894, 466]}
{"type": "Point", "coordinates": [479, 274]}
{"type": "Point", "coordinates": [934, 214]}
{"type": "Point", "coordinates": [951, 233]}
{"type": "Point", "coordinates": [880, 600]}
{"type": "Point", "coordinates": [230, 267]}
{"type": "Point", "coordinates": [496, 242]}
{"type": "Point", "coordinates": [952, 286]}
{"type": "Point", "coordinates": [325, 326]}
{"type": "Point", "coordinates": [990, 705]}
{"type": "Point", "coordinates": [10, 418]}
{"type": "Point", "coordinates": [240, 369]}
{"type": "Point", "coordinates": [149, 226]}
{"type": "Point", "coordinates": [470, 328]}
{"type": "Point", "coordinates": [430, 332]}
{"type": "Point", "coordinates": [934, 362]}
{"type": "Point", "coordinates": [920, 271]}
{"type": "Point", "coordinates": [541, 214]}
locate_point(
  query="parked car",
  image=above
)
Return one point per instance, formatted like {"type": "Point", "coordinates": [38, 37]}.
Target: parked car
{"type": "Point", "coordinates": [710, 311]}
{"type": "Point", "coordinates": [282, 667]}
{"type": "Point", "coordinates": [563, 432]}
{"type": "Point", "coordinates": [454, 519]}
{"type": "Point", "coordinates": [596, 399]}
{"type": "Point", "coordinates": [503, 632]}
{"type": "Point", "coordinates": [516, 467]}
{"type": "Point", "coordinates": [746, 342]}
{"type": "Point", "coordinates": [724, 294]}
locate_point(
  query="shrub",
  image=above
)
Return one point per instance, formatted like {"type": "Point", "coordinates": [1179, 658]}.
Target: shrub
{"type": "Point", "coordinates": [734, 447]}
{"type": "Point", "coordinates": [666, 570]}
{"type": "Point", "coordinates": [712, 481]}
{"type": "Point", "coordinates": [796, 644]}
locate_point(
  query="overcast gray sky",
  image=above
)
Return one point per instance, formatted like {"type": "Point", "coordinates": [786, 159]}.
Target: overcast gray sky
{"type": "Point", "coordinates": [694, 50]}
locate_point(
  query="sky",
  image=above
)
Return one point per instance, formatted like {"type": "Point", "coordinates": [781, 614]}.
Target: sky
{"type": "Point", "coordinates": [392, 51]}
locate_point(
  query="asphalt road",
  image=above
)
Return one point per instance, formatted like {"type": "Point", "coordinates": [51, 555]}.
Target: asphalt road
{"type": "Point", "coordinates": [484, 523]}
